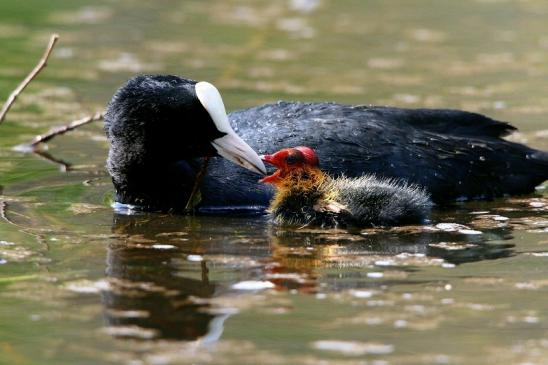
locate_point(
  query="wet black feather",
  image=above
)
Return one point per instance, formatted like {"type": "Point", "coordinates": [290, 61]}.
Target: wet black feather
{"type": "Point", "coordinates": [358, 202]}
{"type": "Point", "coordinates": [157, 130]}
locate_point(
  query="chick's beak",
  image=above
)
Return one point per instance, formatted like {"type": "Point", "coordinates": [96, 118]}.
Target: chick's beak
{"type": "Point", "coordinates": [268, 158]}
{"type": "Point", "coordinates": [273, 178]}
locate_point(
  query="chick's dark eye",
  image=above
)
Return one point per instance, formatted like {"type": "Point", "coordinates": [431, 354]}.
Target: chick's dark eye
{"type": "Point", "coordinates": [291, 159]}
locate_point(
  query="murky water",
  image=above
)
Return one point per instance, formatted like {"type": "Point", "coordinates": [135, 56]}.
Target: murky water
{"type": "Point", "coordinates": [80, 284]}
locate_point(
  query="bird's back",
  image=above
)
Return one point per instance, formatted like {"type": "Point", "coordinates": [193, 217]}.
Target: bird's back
{"type": "Point", "coordinates": [374, 201]}
{"type": "Point", "coordinates": [453, 154]}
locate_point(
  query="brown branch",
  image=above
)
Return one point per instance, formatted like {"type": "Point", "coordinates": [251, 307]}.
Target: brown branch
{"type": "Point", "coordinates": [42, 138]}
{"type": "Point", "coordinates": [191, 199]}
{"type": "Point", "coordinates": [3, 212]}
{"type": "Point", "coordinates": [63, 165]}
{"type": "Point", "coordinates": [4, 215]}
{"type": "Point", "coordinates": [41, 64]}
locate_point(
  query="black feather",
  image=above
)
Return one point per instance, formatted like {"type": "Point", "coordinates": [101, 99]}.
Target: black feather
{"type": "Point", "coordinates": [158, 129]}
{"type": "Point", "coordinates": [353, 202]}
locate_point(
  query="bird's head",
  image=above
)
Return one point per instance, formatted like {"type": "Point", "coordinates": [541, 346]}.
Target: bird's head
{"type": "Point", "coordinates": [291, 163]}
{"type": "Point", "coordinates": [168, 118]}
{"type": "Point", "coordinates": [158, 128]}
{"type": "Point", "coordinates": [298, 180]}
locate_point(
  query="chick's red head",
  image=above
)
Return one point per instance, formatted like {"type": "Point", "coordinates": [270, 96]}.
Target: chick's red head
{"type": "Point", "coordinates": [289, 159]}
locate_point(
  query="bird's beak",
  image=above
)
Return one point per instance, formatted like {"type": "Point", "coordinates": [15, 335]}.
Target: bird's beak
{"type": "Point", "coordinates": [273, 178]}
{"type": "Point", "coordinates": [276, 176]}
{"type": "Point", "coordinates": [267, 158]}
{"type": "Point", "coordinates": [230, 146]}
{"type": "Point", "coordinates": [234, 148]}
{"type": "Point", "coordinates": [274, 160]}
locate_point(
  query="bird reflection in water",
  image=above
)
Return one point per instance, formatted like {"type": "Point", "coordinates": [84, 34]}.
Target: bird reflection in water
{"type": "Point", "coordinates": [151, 288]}
{"type": "Point", "coordinates": [159, 282]}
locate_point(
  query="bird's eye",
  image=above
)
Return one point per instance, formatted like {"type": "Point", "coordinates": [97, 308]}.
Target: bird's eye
{"type": "Point", "coordinates": [291, 159]}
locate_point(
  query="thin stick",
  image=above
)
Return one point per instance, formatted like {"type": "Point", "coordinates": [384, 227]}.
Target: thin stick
{"type": "Point", "coordinates": [3, 214]}
{"type": "Point", "coordinates": [196, 186]}
{"type": "Point", "coordinates": [63, 165]}
{"type": "Point", "coordinates": [42, 138]}
{"type": "Point", "coordinates": [41, 64]}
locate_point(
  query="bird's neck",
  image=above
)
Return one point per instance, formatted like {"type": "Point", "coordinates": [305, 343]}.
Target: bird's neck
{"type": "Point", "coordinates": [300, 187]}
{"type": "Point", "coordinates": [155, 187]}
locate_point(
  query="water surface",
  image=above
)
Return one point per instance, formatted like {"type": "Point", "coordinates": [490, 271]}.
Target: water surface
{"type": "Point", "coordinates": [82, 284]}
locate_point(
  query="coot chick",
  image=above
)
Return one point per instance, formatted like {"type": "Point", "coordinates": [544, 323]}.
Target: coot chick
{"type": "Point", "coordinates": [161, 127]}
{"type": "Point", "coordinates": [307, 196]}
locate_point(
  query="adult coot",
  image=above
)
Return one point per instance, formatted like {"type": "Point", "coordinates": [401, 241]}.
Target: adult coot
{"type": "Point", "coordinates": [161, 128]}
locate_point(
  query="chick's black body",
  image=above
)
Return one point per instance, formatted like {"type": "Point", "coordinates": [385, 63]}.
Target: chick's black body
{"type": "Point", "coordinates": [154, 125]}
{"type": "Point", "coordinates": [352, 202]}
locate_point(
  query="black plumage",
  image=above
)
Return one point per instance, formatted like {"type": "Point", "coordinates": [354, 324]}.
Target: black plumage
{"type": "Point", "coordinates": [158, 129]}
{"type": "Point", "coordinates": [367, 201]}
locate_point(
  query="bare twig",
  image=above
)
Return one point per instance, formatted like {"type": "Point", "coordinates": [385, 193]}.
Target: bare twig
{"type": "Point", "coordinates": [64, 166]}
{"type": "Point", "coordinates": [32, 146]}
{"type": "Point", "coordinates": [42, 138]}
{"type": "Point", "coordinates": [24, 229]}
{"type": "Point", "coordinates": [191, 202]}
{"type": "Point", "coordinates": [3, 210]}
{"type": "Point", "coordinates": [41, 64]}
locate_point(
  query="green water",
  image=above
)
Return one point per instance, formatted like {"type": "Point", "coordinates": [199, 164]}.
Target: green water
{"type": "Point", "coordinates": [80, 284]}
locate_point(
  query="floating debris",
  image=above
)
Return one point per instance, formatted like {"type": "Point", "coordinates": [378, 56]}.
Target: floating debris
{"type": "Point", "coordinates": [450, 227]}
{"type": "Point", "coordinates": [538, 224]}
{"type": "Point", "coordinates": [298, 278]}
{"type": "Point", "coordinates": [194, 258]}
{"type": "Point", "coordinates": [362, 294]}
{"type": "Point", "coordinates": [452, 245]}
{"type": "Point", "coordinates": [130, 331]}
{"type": "Point", "coordinates": [127, 313]}
{"type": "Point", "coordinates": [253, 285]}
{"type": "Point", "coordinates": [375, 275]}
{"type": "Point", "coordinates": [455, 227]}
{"type": "Point", "coordinates": [532, 285]}
{"type": "Point", "coordinates": [385, 263]}
{"type": "Point", "coordinates": [490, 221]}
{"type": "Point", "coordinates": [539, 254]}
{"type": "Point", "coordinates": [353, 348]}
{"type": "Point", "coordinates": [172, 234]}
{"type": "Point", "coordinates": [469, 231]}
{"type": "Point", "coordinates": [535, 203]}
{"type": "Point", "coordinates": [87, 286]}
{"type": "Point", "coordinates": [163, 247]}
